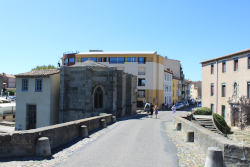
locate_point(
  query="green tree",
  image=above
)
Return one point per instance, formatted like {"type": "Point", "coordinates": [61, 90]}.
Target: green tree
{"type": "Point", "coordinates": [12, 92]}
{"type": "Point", "coordinates": [44, 67]}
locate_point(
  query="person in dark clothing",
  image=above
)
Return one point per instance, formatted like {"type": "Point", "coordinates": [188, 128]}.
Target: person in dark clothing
{"type": "Point", "coordinates": [151, 110]}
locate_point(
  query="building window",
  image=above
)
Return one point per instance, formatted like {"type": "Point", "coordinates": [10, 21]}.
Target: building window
{"type": "Point", "coordinates": [173, 84]}
{"type": "Point", "coordinates": [223, 90]}
{"type": "Point", "coordinates": [223, 111]}
{"type": "Point", "coordinates": [141, 60]}
{"type": "Point", "coordinates": [71, 60]}
{"type": "Point", "coordinates": [212, 89]}
{"type": "Point", "coordinates": [99, 59]}
{"type": "Point", "coordinates": [176, 92]}
{"type": "Point", "coordinates": [141, 82]}
{"type": "Point", "coordinates": [223, 66]}
{"type": "Point", "coordinates": [39, 85]}
{"type": "Point", "coordinates": [116, 60]}
{"type": "Point", "coordinates": [128, 59]}
{"type": "Point", "coordinates": [212, 108]}
{"type": "Point", "coordinates": [173, 93]}
{"type": "Point", "coordinates": [212, 68]}
{"type": "Point", "coordinates": [105, 59]}
{"type": "Point", "coordinates": [75, 59]}
{"type": "Point", "coordinates": [165, 99]}
{"type": "Point", "coordinates": [3, 117]}
{"type": "Point", "coordinates": [141, 93]}
{"type": "Point", "coordinates": [98, 96]}
{"type": "Point", "coordinates": [248, 61]}
{"type": "Point", "coordinates": [235, 64]}
{"type": "Point", "coordinates": [25, 83]}
{"type": "Point", "coordinates": [65, 61]}
{"type": "Point", "coordinates": [133, 59]}
{"type": "Point", "coordinates": [248, 90]}
{"type": "Point", "coordinates": [89, 58]}
{"type": "Point", "coordinates": [141, 71]}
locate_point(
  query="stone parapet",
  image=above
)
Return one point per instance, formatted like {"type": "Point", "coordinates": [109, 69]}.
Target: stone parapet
{"type": "Point", "coordinates": [234, 154]}
{"type": "Point", "coordinates": [23, 143]}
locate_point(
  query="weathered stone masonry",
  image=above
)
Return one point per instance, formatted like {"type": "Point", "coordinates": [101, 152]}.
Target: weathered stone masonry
{"type": "Point", "coordinates": [78, 85]}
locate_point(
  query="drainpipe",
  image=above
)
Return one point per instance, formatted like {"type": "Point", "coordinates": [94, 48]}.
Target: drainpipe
{"type": "Point", "coordinates": [217, 87]}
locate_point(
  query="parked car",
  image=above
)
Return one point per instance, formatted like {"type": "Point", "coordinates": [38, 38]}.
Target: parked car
{"type": "Point", "coordinates": [177, 106]}
{"type": "Point", "coordinates": [186, 103]}
{"type": "Point", "coordinates": [182, 105]}
{"type": "Point", "coordinates": [13, 98]}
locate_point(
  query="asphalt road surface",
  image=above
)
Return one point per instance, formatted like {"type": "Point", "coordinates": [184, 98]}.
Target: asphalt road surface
{"type": "Point", "coordinates": [138, 141]}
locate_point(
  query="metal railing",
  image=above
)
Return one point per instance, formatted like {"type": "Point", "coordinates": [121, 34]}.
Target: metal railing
{"type": "Point", "coordinates": [71, 52]}
{"type": "Point", "coordinates": [141, 73]}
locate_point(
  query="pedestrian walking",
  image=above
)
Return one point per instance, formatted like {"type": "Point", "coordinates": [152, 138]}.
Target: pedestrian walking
{"type": "Point", "coordinates": [147, 107]}
{"type": "Point", "coordinates": [151, 110]}
{"type": "Point", "coordinates": [174, 109]}
{"type": "Point", "coordinates": [166, 105]}
{"type": "Point", "coordinates": [156, 111]}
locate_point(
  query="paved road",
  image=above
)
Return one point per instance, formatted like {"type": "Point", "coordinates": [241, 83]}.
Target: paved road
{"type": "Point", "coordinates": [138, 141]}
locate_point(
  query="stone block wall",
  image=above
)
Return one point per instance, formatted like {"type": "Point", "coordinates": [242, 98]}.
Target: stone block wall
{"type": "Point", "coordinates": [233, 152]}
{"type": "Point", "coordinates": [78, 85]}
{"type": "Point", "coordinates": [22, 143]}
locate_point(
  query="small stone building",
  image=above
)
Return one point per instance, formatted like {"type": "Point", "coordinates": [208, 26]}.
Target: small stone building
{"type": "Point", "coordinates": [89, 88]}
{"type": "Point", "coordinates": [37, 103]}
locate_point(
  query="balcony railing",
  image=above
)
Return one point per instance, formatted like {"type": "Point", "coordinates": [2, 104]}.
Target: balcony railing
{"type": "Point", "coordinates": [141, 73]}
{"type": "Point", "coordinates": [71, 52]}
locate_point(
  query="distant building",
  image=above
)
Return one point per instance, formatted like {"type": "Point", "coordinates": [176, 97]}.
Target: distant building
{"type": "Point", "coordinates": [37, 103]}
{"type": "Point", "coordinates": [176, 68]}
{"type": "Point", "coordinates": [168, 85]}
{"type": "Point", "coordinates": [7, 81]}
{"type": "Point", "coordinates": [224, 80]}
{"type": "Point", "coordinates": [177, 89]}
{"type": "Point", "coordinates": [196, 90]}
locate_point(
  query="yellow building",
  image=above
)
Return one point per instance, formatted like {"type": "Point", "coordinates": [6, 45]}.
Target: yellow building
{"type": "Point", "coordinates": [175, 93]}
{"type": "Point", "coordinates": [147, 66]}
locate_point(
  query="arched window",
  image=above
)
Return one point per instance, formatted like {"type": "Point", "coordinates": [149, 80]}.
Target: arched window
{"type": "Point", "coordinates": [98, 98]}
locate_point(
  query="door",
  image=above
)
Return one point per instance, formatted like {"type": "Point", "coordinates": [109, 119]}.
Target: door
{"type": "Point", "coordinates": [31, 116]}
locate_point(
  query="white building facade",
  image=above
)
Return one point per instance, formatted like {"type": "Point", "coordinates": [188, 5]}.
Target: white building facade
{"type": "Point", "coordinates": [168, 77]}
{"type": "Point", "coordinates": [37, 102]}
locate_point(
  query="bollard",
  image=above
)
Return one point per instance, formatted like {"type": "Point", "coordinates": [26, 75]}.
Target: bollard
{"type": "Point", "coordinates": [113, 119]}
{"type": "Point", "coordinates": [178, 126]}
{"type": "Point", "coordinates": [83, 131]}
{"type": "Point", "coordinates": [214, 157]}
{"type": "Point", "coordinates": [189, 136]}
{"type": "Point", "coordinates": [103, 123]}
{"type": "Point", "coordinates": [43, 147]}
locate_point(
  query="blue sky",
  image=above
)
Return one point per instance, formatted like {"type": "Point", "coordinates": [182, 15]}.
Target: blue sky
{"type": "Point", "coordinates": [37, 32]}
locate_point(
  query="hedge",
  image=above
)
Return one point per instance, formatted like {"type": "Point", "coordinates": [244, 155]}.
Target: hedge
{"type": "Point", "coordinates": [202, 111]}
{"type": "Point", "coordinates": [221, 123]}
